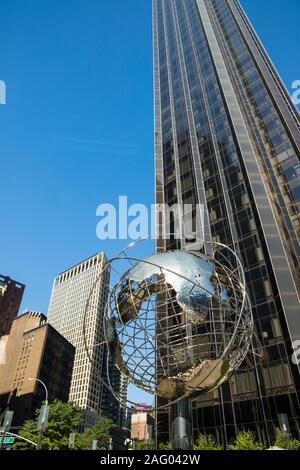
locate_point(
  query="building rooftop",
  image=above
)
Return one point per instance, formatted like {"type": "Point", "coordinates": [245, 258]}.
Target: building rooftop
{"type": "Point", "coordinates": [82, 262]}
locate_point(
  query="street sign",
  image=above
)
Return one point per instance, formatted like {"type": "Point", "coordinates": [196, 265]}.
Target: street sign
{"type": "Point", "coordinates": [7, 440]}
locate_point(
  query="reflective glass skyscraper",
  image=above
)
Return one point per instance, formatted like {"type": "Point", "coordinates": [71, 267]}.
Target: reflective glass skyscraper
{"type": "Point", "coordinates": [227, 135]}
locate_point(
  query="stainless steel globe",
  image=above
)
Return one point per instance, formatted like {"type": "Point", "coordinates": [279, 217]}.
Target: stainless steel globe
{"type": "Point", "coordinates": [179, 323]}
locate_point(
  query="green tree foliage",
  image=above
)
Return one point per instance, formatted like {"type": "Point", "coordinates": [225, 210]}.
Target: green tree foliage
{"type": "Point", "coordinates": [286, 442]}
{"type": "Point", "coordinates": [206, 442]}
{"type": "Point", "coordinates": [101, 432]}
{"type": "Point", "coordinates": [64, 418]}
{"type": "Point", "coordinates": [165, 446]}
{"type": "Point", "coordinates": [143, 445]}
{"type": "Point", "coordinates": [246, 441]}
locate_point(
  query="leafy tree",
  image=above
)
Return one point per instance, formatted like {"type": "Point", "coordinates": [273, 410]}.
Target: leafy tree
{"type": "Point", "coordinates": [64, 418]}
{"type": "Point", "coordinates": [206, 442]}
{"type": "Point", "coordinates": [165, 446]}
{"type": "Point", "coordinates": [286, 442]}
{"type": "Point", "coordinates": [143, 445]}
{"type": "Point", "coordinates": [101, 432]}
{"type": "Point", "coordinates": [29, 431]}
{"type": "Point", "coordinates": [246, 441]}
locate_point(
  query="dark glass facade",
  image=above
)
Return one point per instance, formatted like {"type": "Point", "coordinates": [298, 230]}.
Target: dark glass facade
{"type": "Point", "coordinates": [227, 135]}
{"type": "Point", "coordinates": [109, 404]}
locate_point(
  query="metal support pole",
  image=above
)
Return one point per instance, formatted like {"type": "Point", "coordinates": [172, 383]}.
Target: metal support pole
{"type": "Point", "coordinates": [6, 425]}
{"type": "Point", "coordinates": [42, 423]}
{"type": "Point", "coordinates": [181, 425]}
{"type": "Point", "coordinates": [3, 438]}
{"type": "Point", "coordinates": [16, 436]}
{"type": "Point", "coordinates": [39, 442]}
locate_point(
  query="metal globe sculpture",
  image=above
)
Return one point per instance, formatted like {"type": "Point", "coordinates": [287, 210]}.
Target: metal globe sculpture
{"type": "Point", "coordinates": [178, 323]}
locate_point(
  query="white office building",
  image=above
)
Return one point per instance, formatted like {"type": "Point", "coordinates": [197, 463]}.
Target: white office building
{"type": "Point", "coordinates": [70, 293]}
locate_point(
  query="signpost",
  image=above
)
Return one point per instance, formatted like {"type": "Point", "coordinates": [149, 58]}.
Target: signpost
{"type": "Point", "coordinates": [7, 440]}
{"type": "Point", "coordinates": [11, 435]}
{"type": "Point", "coordinates": [6, 425]}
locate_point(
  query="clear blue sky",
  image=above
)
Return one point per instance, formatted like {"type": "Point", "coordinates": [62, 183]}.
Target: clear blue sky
{"type": "Point", "coordinates": [77, 129]}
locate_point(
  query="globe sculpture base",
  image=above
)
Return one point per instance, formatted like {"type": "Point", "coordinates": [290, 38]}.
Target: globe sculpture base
{"type": "Point", "coordinates": [181, 425]}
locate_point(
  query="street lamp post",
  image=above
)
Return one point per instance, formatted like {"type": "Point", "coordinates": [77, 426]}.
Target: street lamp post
{"type": "Point", "coordinates": [43, 419]}
{"type": "Point", "coordinates": [46, 390]}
